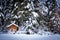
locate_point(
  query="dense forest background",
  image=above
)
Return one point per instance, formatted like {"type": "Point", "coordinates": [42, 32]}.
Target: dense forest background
{"type": "Point", "coordinates": [34, 15]}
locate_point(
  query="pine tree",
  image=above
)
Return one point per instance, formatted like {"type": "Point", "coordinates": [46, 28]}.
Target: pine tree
{"type": "Point", "coordinates": [32, 15]}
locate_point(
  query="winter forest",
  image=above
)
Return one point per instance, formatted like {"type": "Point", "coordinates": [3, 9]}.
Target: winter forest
{"type": "Point", "coordinates": [32, 16]}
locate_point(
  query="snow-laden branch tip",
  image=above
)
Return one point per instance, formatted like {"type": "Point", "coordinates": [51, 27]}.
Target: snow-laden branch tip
{"type": "Point", "coordinates": [35, 14]}
{"type": "Point", "coordinates": [28, 6]}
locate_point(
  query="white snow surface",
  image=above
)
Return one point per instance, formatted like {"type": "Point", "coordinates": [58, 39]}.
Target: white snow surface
{"type": "Point", "coordinates": [29, 37]}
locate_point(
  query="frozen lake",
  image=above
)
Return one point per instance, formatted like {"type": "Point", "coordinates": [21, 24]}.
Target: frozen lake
{"type": "Point", "coordinates": [28, 37]}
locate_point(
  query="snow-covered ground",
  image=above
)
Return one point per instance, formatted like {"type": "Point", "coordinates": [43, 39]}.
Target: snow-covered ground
{"type": "Point", "coordinates": [29, 37]}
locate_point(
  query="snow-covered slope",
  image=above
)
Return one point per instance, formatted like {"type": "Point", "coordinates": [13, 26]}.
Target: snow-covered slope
{"type": "Point", "coordinates": [28, 37]}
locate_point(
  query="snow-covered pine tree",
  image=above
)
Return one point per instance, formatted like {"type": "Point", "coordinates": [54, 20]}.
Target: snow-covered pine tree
{"type": "Point", "coordinates": [33, 15]}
